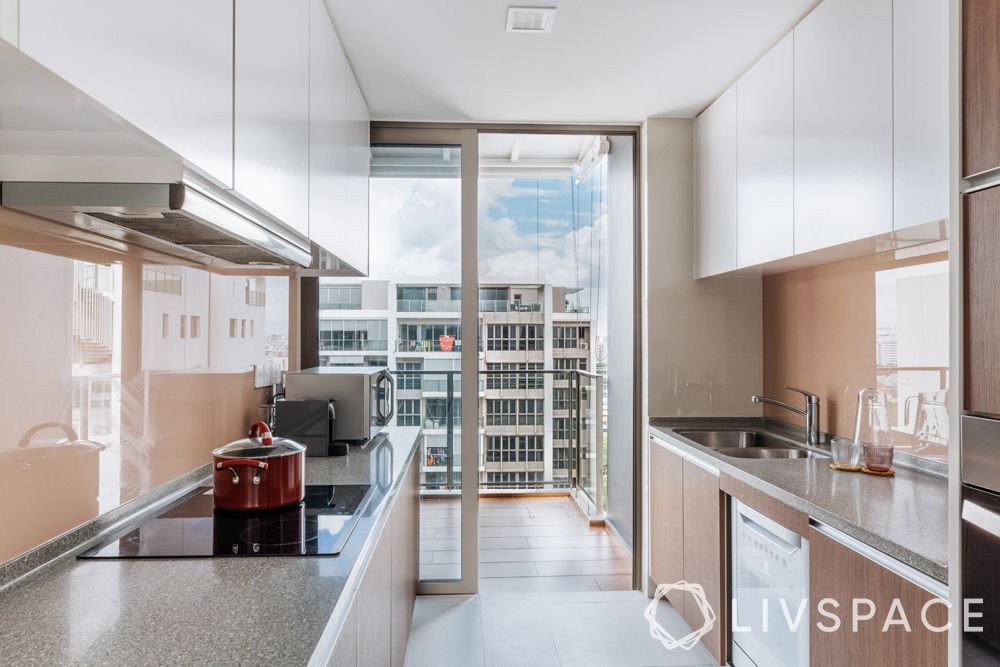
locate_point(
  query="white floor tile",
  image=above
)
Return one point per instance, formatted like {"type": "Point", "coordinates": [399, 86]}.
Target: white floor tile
{"type": "Point", "coordinates": [446, 633]}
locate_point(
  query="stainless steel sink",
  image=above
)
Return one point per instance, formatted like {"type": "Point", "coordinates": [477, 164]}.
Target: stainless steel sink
{"type": "Point", "coordinates": [731, 439]}
{"type": "Point", "coordinates": [767, 453]}
{"type": "Point", "coordinates": [748, 444]}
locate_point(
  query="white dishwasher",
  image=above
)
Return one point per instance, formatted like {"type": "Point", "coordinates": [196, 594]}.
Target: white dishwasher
{"type": "Point", "coordinates": [770, 586]}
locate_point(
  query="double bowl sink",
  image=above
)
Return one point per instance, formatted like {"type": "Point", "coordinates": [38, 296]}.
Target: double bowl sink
{"type": "Point", "coordinates": [748, 444]}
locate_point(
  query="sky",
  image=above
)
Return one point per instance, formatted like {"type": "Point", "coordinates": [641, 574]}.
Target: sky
{"type": "Point", "coordinates": [544, 230]}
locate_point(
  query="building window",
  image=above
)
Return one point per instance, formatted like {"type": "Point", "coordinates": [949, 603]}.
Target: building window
{"type": "Point", "coordinates": [340, 298]}
{"type": "Point", "coordinates": [514, 448]}
{"type": "Point", "coordinates": [253, 297]}
{"type": "Point", "coordinates": [160, 281]}
{"type": "Point", "coordinates": [195, 326]}
{"type": "Point", "coordinates": [563, 428]}
{"type": "Point", "coordinates": [519, 376]}
{"type": "Point", "coordinates": [166, 325]}
{"type": "Point", "coordinates": [353, 335]}
{"type": "Point", "coordinates": [560, 458]}
{"type": "Point", "coordinates": [566, 337]}
{"type": "Point", "coordinates": [243, 328]}
{"type": "Point", "coordinates": [514, 411]}
{"type": "Point", "coordinates": [233, 323]}
{"type": "Point", "coordinates": [516, 337]}
{"type": "Point", "coordinates": [427, 337]}
{"type": "Point", "coordinates": [407, 380]}
{"type": "Point", "coordinates": [184, 326]}
{"type": "Point", "coordinates": [408, 412]}
{"type": "Point", "coordinates": [563, 399]}
{"type": "Point", "coordinates": [509, 478]}
{"type": "Point", "coordinates": [437, 412]}
{"type": "Point", "coordinates": [251, 329]}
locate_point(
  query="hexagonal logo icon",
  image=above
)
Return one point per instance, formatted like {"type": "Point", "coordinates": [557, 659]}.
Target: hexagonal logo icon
{"type": "Point", "coordinates": [690, 640]}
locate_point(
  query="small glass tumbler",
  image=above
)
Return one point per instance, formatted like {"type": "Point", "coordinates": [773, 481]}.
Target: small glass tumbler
{"type": "Point", "coordinates": [846, 452]}
{"type": "Point", "coordinates": [878, 458]}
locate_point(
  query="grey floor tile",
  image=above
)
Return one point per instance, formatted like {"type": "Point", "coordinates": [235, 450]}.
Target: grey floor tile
{"type": "Point", "coordinates": [537, 584]}
{"type": "Point", "coordinates": [516, 632]}
{"type": "Point", "coordinates": [446, 634]}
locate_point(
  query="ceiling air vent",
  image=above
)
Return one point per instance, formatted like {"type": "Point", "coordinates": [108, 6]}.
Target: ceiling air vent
{"type": "Point", "coordinates": [537, 20]}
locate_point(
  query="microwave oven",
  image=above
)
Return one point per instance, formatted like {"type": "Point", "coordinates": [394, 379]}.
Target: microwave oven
{"type": "Point", "coordinates": [364, 395]}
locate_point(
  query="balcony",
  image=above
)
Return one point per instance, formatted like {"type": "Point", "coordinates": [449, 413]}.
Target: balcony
{"type": "Point", "coordinates": [429, 346]}
{"type": "Point", "coordinates": [455, 306]}
{"type": "Point", "coordinates": [353, 345]}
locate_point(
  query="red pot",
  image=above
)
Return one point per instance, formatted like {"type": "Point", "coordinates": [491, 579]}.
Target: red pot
{"type": "Point", "coordinates": [259, 472]}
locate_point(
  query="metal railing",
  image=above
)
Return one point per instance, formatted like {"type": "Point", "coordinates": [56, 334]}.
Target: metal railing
{"type": "Point", "coordinates": [573, 426]}
{"type": "Point", "coordinates": [455, 306]}
{"type": "Point", "coordinates": [353, 345]}
{"type": "Point", "coordinates": [429, 346]}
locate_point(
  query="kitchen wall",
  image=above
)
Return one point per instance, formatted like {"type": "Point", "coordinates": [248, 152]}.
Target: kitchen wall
{"type": "Point", "coordinates": [122, 372]}
{"type": "Point", "coordinates": [705, 337]}
{"type": "Point", "coordinates": [875, 321]}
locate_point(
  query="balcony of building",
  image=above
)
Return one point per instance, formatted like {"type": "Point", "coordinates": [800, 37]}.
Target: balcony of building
{"type": "Point", "coordinates": [541, 473]}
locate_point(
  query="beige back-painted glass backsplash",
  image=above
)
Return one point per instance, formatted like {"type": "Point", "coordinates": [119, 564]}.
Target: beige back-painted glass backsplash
{"type": "Point", "coordinates": [119, 376]}
{"type": "Point", "coordinates": [878, 321]}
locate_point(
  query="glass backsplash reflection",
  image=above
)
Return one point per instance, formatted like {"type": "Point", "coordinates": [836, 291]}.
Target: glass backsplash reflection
{"type": "Point", "coordinates": [121, 377]}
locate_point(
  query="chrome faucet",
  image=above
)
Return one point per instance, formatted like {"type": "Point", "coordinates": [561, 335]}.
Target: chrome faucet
{"type": "Point", "coordinates": [811, 413]}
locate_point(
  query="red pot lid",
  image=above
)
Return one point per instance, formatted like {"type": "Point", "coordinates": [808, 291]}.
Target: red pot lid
{"type": "Point", "coordinates": [254, 448]}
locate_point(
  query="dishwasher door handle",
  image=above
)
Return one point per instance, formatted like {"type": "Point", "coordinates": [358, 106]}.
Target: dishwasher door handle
{"type": "Point", "coordinates": [787, 540]}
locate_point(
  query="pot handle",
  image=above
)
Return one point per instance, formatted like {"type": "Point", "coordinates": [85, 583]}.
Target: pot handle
{"type": "Point", "coordinates": [34, 430]}
{"type": "Point", "coordinates": [260, 429]}
{"type": "Point", "coordinates": [232, 464]}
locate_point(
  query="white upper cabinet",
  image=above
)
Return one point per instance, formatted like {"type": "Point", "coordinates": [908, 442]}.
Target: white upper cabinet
{"type": "Point", "coordinates": [165, 67]}
{"type": "Point", "coordinates": [355, 243]}
{"type": "Point", "coordinates": [271, 93]}
{"type": "Point", "coordinates": [843, 123]}
{"type": "Point", "coordinates": [920, 112]}
{"type": "Point", "coordinates": [765, 158]}
{"type": "Point", "coordinates": [715, 186]}
{"type": "Point", "coordinates": [327, 131]}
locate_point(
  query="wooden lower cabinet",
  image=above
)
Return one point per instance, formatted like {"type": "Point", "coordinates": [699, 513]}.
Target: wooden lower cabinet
{"type": "Point", "coordinates": [666, 519]}
{"type": "Point", "coordinates": [687, 538]}
{"type": "Point", "coordinates": [704, 553]}
{"type": "Point", "coordinates": [839, 573]}
{"type": "Point", "coordinates": [378, 622]}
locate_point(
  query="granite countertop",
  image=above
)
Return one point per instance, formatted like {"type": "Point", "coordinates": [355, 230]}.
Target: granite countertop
{"type": "Point", "coordinates": [905, 516]}
{"type": "Point", "coordinates": [264, 610]}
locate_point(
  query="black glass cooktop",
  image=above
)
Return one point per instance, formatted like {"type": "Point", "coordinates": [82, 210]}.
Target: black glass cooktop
{"type": "Point", "coordinates": [193, 528]}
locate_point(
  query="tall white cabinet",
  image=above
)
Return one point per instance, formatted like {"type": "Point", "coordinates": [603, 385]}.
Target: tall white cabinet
{"type": "Point", "coordinates": [271, 112]}
{"type": "Point", "coordinates": [765, 159]}
{"type": "Point", "coordinates": [715, 186]}
{"type": "Point", "coordinates": [354, 239]}
{"type": "Point", "coordinates": [920, 112]}
{"type": "Point", "coordinates": [843, 123]}
{"type": "Point", "coordinates": [165, 67]}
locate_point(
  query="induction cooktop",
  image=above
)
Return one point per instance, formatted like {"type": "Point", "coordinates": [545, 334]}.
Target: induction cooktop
{"type": "Point", "coordinates": [193, 528]}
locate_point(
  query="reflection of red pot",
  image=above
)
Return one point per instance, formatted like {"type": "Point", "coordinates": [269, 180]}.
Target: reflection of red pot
{"type": "Point", "coordinates": [280, 532]}
{"type": "Point", "coordinates": [61, 477]}
{"type": "Point", "coordinates": [259, 472]}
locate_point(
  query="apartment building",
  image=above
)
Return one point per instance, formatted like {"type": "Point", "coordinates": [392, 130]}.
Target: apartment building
{"type": "Point", "coordinates": [526, 423]}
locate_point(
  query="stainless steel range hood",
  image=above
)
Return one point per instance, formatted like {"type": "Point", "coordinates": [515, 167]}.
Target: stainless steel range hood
{"type": "Point", "coordinates": [189, 219]}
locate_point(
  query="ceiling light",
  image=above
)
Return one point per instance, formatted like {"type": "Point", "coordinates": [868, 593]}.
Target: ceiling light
{"type": "Point", "coordinates": [537, 20]}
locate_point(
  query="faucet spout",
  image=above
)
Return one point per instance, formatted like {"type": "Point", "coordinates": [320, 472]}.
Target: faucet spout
{"type": "Point", "coordinates": [811, 411]}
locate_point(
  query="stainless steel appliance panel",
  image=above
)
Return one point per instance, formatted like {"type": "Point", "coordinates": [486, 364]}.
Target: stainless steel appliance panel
{"type": "Point", "coordinates": [364, 395]}
{"type": "Point", "coordinates": [981, 452]}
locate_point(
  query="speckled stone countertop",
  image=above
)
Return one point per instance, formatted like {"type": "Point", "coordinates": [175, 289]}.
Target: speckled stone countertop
{"type": "Point", "coordinates": [202, 611]}
{"type": "Point", "coordinates": [905, 516]}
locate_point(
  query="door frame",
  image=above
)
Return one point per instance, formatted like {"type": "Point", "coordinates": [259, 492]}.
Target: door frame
{"type": "Point", "coordinates": [466, 135]}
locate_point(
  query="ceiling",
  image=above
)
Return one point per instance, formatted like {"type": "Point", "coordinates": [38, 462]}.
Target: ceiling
{"type": "Point", "coordinates": [605, 61]}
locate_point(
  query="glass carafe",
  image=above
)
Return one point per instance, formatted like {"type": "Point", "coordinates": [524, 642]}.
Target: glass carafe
{"type": "Point", "coordinates": [872, 430]}
{"type": "Point", "coordinates": [931, 425]}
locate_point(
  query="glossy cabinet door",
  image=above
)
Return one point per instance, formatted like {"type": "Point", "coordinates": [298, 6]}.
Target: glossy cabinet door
{"type": "Point", "coordinates": [666, 519]}
{"type": "Point", "coordinates": [355, 237]}
{"type": "Point", "coordinates": [839, 573]}
{"type": "Point", "coordinates": [920, 127]}
{"type": "Point", "coordinates": [165, 67]}
{"type": "Point", "coordinates": [765, 158]}
{"type": "Point", "coordinates": [327, 132]}
{"type": "Point", "coordinates": [843, 123]}
{"type": "Point", "coordinates": [982, 302]}
{"type": "Point", "coordinates": [704, 549]}
{"type": "Point", "coordinates": [271, 93]}
{"type": "Point", "coordinates": [715, 187]}
{"type": "Point", "coordinates": [980, 86]}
